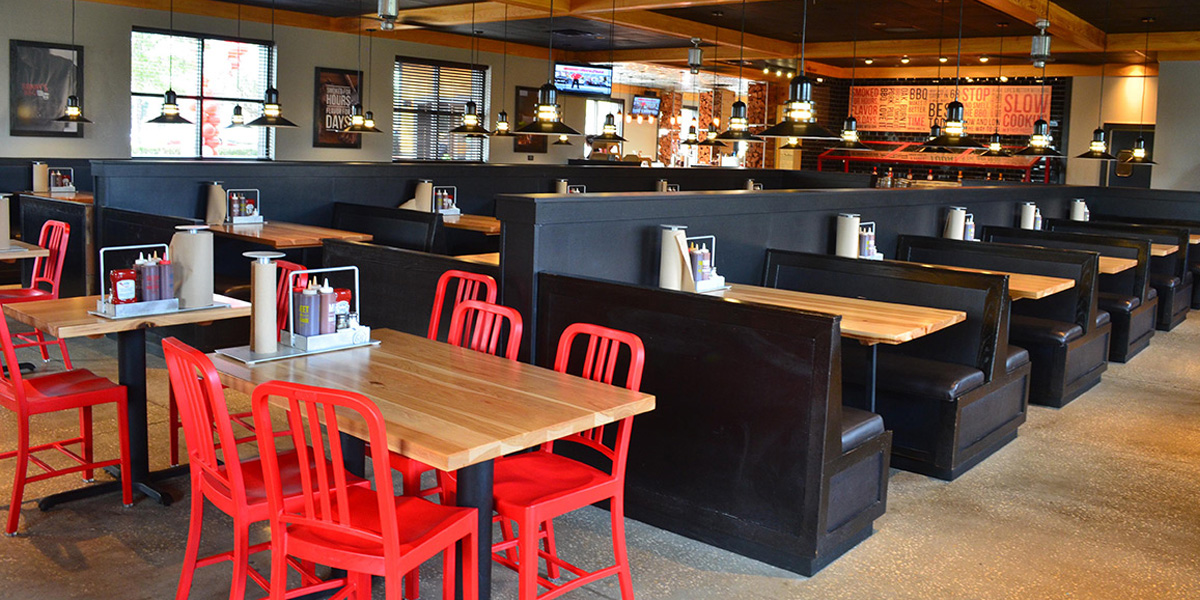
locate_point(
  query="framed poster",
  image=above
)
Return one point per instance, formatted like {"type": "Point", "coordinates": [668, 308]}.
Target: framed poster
{"type": "Point", "coordinates": [41, 76]}
{"type": "Point", "coordinates": [337, 91]}
{"type": "Point", "coordinates": [526, 111]}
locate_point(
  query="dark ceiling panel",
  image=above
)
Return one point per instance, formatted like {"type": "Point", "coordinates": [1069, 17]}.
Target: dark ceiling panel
{"type": "Point", "coordinates": [869, 19]}
{"type": "Point", "coordinates": [1126, 16]}
{"type": "Point", "coordinates": [571, 33]}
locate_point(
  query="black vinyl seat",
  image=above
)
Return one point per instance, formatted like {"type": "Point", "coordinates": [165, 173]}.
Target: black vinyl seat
{"type": "Point", "coordinates": [859, 427]}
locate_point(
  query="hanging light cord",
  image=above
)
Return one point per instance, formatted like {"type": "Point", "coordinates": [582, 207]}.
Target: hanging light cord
{"type": "Point", "coordinates": [1104, 61]}
{"type": "Point", "coordinates": [171, 56]}
{"type": "Point", "coordinates": [73, 83]}
{"type": "Point", "coordinates": [853, 72]}
{"type": "Point", "coordinates": [803, 38]}
{"type": "Point", "coordinates": [999, 76]}
{"type": "Point", "coordinates": [958, 60]}
{"type": "Point", "coordinates": [504, 67]}
{"type": "Point", "coordinates": [550, 63]}
{"type": "Point", "coordinates": [1145, 75]}
{"type": "Point", "coordinates": [742, 50]}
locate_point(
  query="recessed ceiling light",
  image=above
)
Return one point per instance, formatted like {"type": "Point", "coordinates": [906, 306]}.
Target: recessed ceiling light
{"type": "Point", "coordinates": [869, 61]}
{"type": "Point", "coordinates": [904, 60]}
{"type": "Point", "coordinates": [820, 80]}
{"type": "Point", "coordinates": [984, 58]}
{"type": "Point", "coordinates": [943, 59]}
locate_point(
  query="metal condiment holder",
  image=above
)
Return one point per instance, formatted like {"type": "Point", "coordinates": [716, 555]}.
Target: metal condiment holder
{"type": "Point", "coordinates": [243, 219]}
{"type": "Point", "coordinates": [717, 282]}
{"type": "Point", "coordinates": [62, 188]}
{"type": "Point", "coordinates": [453, 210]}
{"type": "Point", "coordinates": [576, 189]}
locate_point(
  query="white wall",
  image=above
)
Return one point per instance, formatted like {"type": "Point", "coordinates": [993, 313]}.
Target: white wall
{"type": "Point", "coordinates": [1122, 104]}
{"type": "Point", "coordinates": [1175, 138]}
{"type": "Point", "coordinates": [104, 32]}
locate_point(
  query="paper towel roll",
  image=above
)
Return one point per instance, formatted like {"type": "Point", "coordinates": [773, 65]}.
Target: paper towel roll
{"type": "Point", "coordinates": [192, 257]}
{"type": "Point", "coordinates": [217, 207]}
{"type": "Point", "coordinates": [422, 200]}
{"type": "Point", "coordinates": [750, 184]}
{"type": "Point", "coordinates": [41, 177]}
{"type": "Point", "coordinates": [264, 326]}
{"type": "Point", "coordinates": [660, 185]}
{"type": "Point", "coordinates": [847, 235]}
{"type": "Point", "coordinates": [1078, 210]}
{"type": "Point", "coordinates": [560, 186]}
{"type": "Point", "coordinates": [955, 223]}
{"type": "Point", "coordinates": [1028, 214]}
{"type": "Point", "coordinates": [5, 231]}
{"type": "Point", "coordinates": [670, 266]}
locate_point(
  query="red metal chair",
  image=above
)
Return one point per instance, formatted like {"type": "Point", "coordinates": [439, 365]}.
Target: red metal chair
{"type": "Point", "coordinates": [233, 484]}
{"type": "Point", "coordinates": [245, 420]}
{"type": "Point", "coordinates": [366, 532]}
{"type": "Point", "coordinates": [480, 326]}
{"type": "Point", "coordinates": [471, 286]}
{"type": "Point", "coordinates": [533, 488]}
{"type": "Point", "coordinates": [76, 389]}
{"type": "Point", "coordinates": [47, 271]}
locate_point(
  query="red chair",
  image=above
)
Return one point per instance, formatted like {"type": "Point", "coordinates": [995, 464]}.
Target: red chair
{"type": "Point", "coordinates": [533, 488]}
{"type": "Point", "coordinates": [232, 484]}
{"type": "Point", "coordinates": [47, 271]}
{"type": "Point", "coordinates": [471, 286]}
{"type": "Point", "coordinates": [245, 420]}
{"type": "Point", "coordinates": [75, 389]}
{"type": "Point", "coordinates": [480, 325]}
{"type": "Point", "coordinates": [366, 532]}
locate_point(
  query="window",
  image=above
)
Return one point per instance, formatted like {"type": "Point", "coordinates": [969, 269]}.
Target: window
{"type": "Point", "coordinates": [428, 100]}
{"type": "Point", "coordinates": [210, 76]}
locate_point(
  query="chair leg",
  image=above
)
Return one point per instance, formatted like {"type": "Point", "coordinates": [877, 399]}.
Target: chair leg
{"type": "Point", "coordinates": [362, 585]}
{"type": "Point", "coordinates": [506, 533]}
{"type": "Point", "coordinates": [126, 464]}
{"type": "Point", "coordinates": [195, 526]}
{"type": "Point", "coordinates": [620, 553]}
{"type": "Point", "coordinates": [449, 562]}
{"type": "Point", "coordinates": [14, 509]}
{"type": "Point", "coordinates": [62, 347]}
{"type": "Point", "coordinates": [241, 560]}
{"type": "Point", "coordinates": [412, 487]}
{"type": "Point", "coordinates": [279, 564]}
{"type": "Point", "coordinates": [86, 448]}
{"type": "Point", "coordinates": [42, 346]}
{"type": "Point", "coordinates": [551, 568]}
{"type": "Point", "coordinates": [470, 566]}
{"type": "Point", "coordinates": [527, 568]}
{"type": "Point", "coordinates": [173, 425]}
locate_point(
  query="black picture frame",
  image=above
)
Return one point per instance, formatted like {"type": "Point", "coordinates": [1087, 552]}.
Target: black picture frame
{"type": "Point", "coordinates": [335, 92]}
{"type": "Point", "coordinates": [41, 76]}
{"type": "Point", "coordinates": [526, 108]}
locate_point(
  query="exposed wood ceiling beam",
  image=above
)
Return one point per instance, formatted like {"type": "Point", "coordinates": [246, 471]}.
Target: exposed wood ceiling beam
{"type": "Point", "coordinates": [1064, 24]}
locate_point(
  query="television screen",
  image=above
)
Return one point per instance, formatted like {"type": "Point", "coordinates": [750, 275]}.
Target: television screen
{"type": "Point", "coordinates": [645, 105]}
{"type": "Point", "coordinates": [583, 79]}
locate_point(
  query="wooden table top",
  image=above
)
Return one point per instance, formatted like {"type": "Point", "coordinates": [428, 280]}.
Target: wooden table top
{"type": "Point", "coordinates": [278, 234]}
{"type": "Point", "coordinates": [478, 223]}
{"type": "Point", "coordinates": [1163, 249]}
{"type": "Point", "coordinates": [1111, 265]}
{"type": "Point", "coordinates": [1021, 286]}
{"type": "Point", "coordinates": [868, 321]}
{"type": "Point", "coordinates": [68, 317]}
{"type": "Point", "coordinates": [18, 250]}
{"type": "Point", "coordinates": [487, 258]}
{"type": "Point", "coordinates": [80, 197]}
{"type": "Point", "coordinates": [446, 406]}
{"type": "Point", "coordinates": [1194, 238]}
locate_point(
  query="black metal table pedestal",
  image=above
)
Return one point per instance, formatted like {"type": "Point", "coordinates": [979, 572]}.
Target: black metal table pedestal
{"type": "Point", "coordinates": [475, 491]}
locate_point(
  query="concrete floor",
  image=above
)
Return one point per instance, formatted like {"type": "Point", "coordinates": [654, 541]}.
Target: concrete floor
{"type": "Point", "coordinates": [1098, 500]}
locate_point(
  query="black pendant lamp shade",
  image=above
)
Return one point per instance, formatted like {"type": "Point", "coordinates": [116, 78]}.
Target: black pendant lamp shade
{"type": "Point", "coordinates": [693, 138]}
{"type": "Point", "coordinates": [272, 112]}
{"type": "Point", "coordinates": [994, 148]}
{"type": "Point", "coordinates": [170, 111]}
{"type": "Point", "coordinates": [547, 120]}
{"type": "Point", "coordinates": [935, 131]}
{"type": "Point", "coordinates": [609, 131]}
{"type": "Point", "coordinates": [1098, 149]}
{"type": "Point", "coordinates": [369, 122]}
{"type": "Point", "coordinates": [850, 139]}
{"type": "Point", "coordinates": [799, 118]}
{"type": "Point", "coordinates": [711, 139]}
{"type": "Point", "coordinates": [73, 113]}
{"type": "Point", "coordinates": [502, 127]}
{"type": "Point", "coordinates": [238, 119]}
{"type": "Point", "coordinates": [792, 144]}
{"type": "Point", "coordinates": [739, 125]}
{"type": "Point", "coordinates": [358, 122]}
{"type": "Point", "coordinates": [563, 140]}
{"type": "Point", "coordinates": [1139, 155]}
{"type": "Point", "coordinates": [470, 122]}
{"type": "Point", "coordinates": [954, 135]}
{"type": "Point", "coordinates": [1039, 142]}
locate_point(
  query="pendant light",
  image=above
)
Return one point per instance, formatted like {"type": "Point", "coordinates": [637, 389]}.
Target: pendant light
{"type": "Point", "coordinates": [799, 117]}
{"type": "Point", "coordinates": [608, 132]}
{"type": "Point", "coordinates": [935, 129]}
{"type": "Point", "coordinates": [1041, 143]}
{"type": "Point", "coordinates": [502, 126]}
{"type": "Point", "coordinates": [170, 106]}
{"type": "Point", "coordinates": [994, 148]}
{"type": "Point", "coordinates": [547, 121]}
{"type": "Point", "coordinates": [710, 135]}
{"type": "Point", "coordinates": [850, 139]}
{"type": "Point", "coordinates": [369, 117]}
{"type": "Point", "coordinates": [739, 124]}
{"type": "Point", "coordinates": [358, 121]}
{"type": "Point", "coordinates": [238, 118]}
{"type": "Point", "coordinates": [563, 140]}
{"type": "Point", "coordinates": [272, 111]}
{"type": "Point", "coordinates": [1138, 155]}
{"type": "Point", "coordinates": [954, 135]}
{"type": "Point", "coordinates": [73, 112]}
{"type": "Point", "coordinates": [472, 124]}
{"type": "Point", "coordinates": [1098, 148]}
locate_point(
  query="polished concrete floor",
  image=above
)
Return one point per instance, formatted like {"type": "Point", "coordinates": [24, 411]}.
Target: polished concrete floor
{"type": "Point", "coordinates": [1099, 500]}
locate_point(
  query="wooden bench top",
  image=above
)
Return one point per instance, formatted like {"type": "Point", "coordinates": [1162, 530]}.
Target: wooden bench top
{"type": "Point", "coordinates": [487, 258]}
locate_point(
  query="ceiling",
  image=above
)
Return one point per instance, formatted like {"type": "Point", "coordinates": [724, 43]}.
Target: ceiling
{"type": "Point", "coordinates": [572, 33]}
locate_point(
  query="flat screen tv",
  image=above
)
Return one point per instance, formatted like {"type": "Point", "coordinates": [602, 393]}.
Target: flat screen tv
{"type": "Point", "coordinates": [583, 79]}
{"type": "Point", "coordinates": [645, 105]}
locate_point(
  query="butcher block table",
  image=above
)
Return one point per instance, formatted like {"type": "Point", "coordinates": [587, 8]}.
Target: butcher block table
{"type": "Point", "coordinates": [476, 223]}
{"type": "Point", "coordinates": [1111, 265]}
{"type": "Point", "coordinates": [284, 236]}
{"type": "Point", "coordinates": [1021, 286]}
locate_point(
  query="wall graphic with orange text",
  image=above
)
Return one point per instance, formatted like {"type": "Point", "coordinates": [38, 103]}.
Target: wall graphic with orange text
{"type": "Point", "coordinates": [910, 108]}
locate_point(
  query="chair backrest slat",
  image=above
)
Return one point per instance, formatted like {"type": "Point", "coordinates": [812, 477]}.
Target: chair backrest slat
{"type": "Point", "coordinates": [471, 286]}
{"type": "Point", "coordinates": [283, 296]}
{"type": "Point", "coordinates": [480, 326]}
{"type": "Point", "coordinates": [48, 270]}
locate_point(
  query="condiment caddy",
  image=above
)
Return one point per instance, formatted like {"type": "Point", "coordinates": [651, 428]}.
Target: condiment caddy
{"type": "Point", "coordinates": [62, 179]}
{"type": "Point", "coordinates": [576, 189]}
{"type": "Point", "coordinates": [243, 207]}
{"type": "Point", "coordinates": [445, 200]}
{"type": "Point", "coordinates": [688, 263]}
{"type": "Point", "coordinates": [143, 289]}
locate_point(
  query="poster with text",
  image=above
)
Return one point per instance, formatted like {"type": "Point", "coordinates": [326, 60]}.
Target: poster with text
{"type": "Point", "coordinates": [41, 76]}
{"type": "Point", "coordinates": [337, 93]}
{"type": "Point", "coordinates": [1009, 109]}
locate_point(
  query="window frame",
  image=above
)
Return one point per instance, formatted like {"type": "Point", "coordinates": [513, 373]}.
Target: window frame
{"type": "Point", "coordinates": [483, 104]}
{"type": "Point", "coordinates": [267, 146]}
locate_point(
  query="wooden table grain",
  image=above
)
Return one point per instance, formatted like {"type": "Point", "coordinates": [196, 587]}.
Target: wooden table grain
{"type": "Point", "coordinates": [281, 235]}
{"type": "Point", "coordinates": [1021, 286]}
{"type": "Point", "coordinates": [487, 258]}
{"type": "Point", "coordinates": [867, 321]}
{"type": "Point", "coordinates": [1163, 249]}
{"type": "Point", "coordinates": [18, 250]}
{"type": "Point", "coordinates": [68, 317]}
{"type": "Point", "coordinates": [1111, 265]}
{"type": "Point", "coordinates": [477, 223]}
